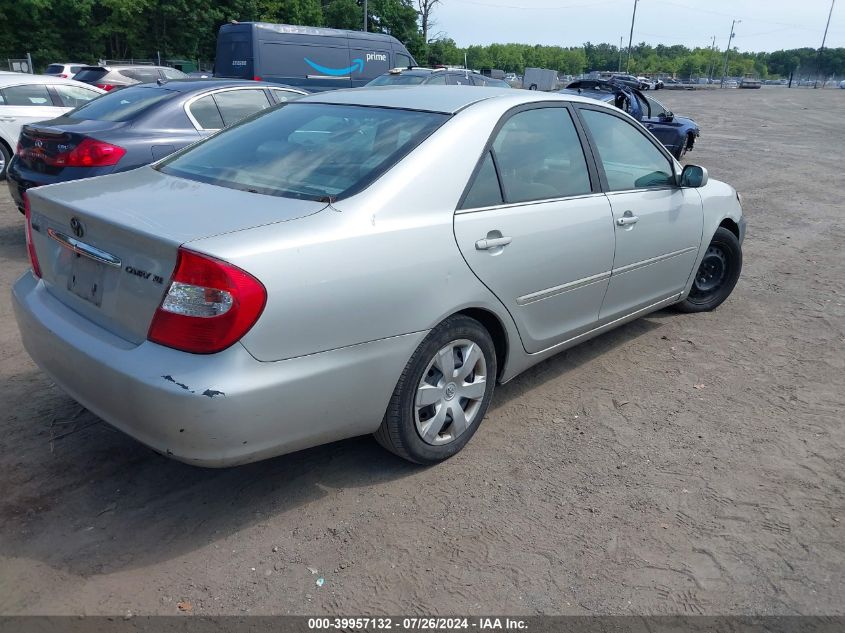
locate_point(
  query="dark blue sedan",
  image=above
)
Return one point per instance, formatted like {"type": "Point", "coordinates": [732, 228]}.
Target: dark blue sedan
{"type": "Point", "coordinates": [132, 127]}
{"type": "Point", "coordinates": [677, 133]}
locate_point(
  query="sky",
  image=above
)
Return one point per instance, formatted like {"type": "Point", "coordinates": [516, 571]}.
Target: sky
{"type": "Point", "coordinates": [765, 26]}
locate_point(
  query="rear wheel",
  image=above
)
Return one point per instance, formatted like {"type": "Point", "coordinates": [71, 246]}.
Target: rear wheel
{"type": "Point", "coordinates": [5, 157]}
{"type": "Point", "coordinates": [716, 275]}
{"type": "Point", "coordinates": [443, 393]}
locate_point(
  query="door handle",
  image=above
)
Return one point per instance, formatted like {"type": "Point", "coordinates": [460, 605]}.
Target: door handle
{"type": "Point", "coordinates": [488, 243]}
{"type": "Point", "coordinates": [7, 119]}
{"type": "Point", "coordinates": [627, 219]}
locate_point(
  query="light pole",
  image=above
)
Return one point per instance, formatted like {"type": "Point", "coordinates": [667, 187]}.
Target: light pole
{"type": "Point", "coordinates": [712, 65]}
{"type": "Point", "coordinates": [365, 16]}
{"type": "Point", "coordinates": [727, 52]}
{"type": "Point", "coordinates": [824, 38]}
{"type": "Point", "coordinates": [620, 55]}
{"type": "Point", "coordinates": [631, 38]}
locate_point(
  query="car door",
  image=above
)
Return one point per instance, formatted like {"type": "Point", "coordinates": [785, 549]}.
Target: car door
{"type": "Point", "coordinates": [535, 228]}
{"type": "Point", "coordinates": [658, 224]}
{"type": "Point", "coordinates": [22, 104]}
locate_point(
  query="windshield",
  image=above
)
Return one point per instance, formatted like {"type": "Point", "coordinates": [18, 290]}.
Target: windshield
{"type": "Point", "coordinates": [54, 69]}
{"type": "Point", "coordinates": [306, 150]}
{"type": "Point", "coordinates": [121, 105]}
{"type": "Point", "coordinates": [398, 80]}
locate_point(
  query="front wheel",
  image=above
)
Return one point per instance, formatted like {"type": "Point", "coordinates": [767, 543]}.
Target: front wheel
{"type": "Point", "coordinates": [682, 148]}
{"type": "Point", "coordinates": [442, 394]}
{"type": "Point", "coordinates": [5, 157]}
{"type": "Point", "coordinates": [716, 275]}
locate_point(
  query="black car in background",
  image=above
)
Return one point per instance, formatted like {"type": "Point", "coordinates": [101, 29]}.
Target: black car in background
{"type": "Point", "coordinates": [112, 77]}
{"type": "Point", "coordinates": [132, 127]}
{"type": "Point", "coordinates": [436, 76]}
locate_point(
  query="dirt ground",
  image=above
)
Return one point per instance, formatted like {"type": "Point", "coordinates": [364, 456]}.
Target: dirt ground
{"type": "Point", "coordinates": [681, 464]}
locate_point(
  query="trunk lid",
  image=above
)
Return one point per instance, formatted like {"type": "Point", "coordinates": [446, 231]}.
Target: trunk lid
{"type": "Point", "coordinates": [40, 143]}
{"type": "Point", "coordinates": [107, 246]}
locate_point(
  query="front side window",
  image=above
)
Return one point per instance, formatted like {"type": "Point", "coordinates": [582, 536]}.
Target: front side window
{"type": "Point", "coordinates": [27, 95]}
{"type": "Point", "coordinates": [540, 156]}
{"type": "Point", "coordinates": [629, 159]}
{"type": "Point", "coordinates": [235, 105]}
{"type": "Point", "coordinates": [306, 150]}
{"type": "Point", "coordinates": [402, 60]}
{"type": "Point", "coordinates": [74, 96]}
{"type": "Point", "coordinates": [656, 108]}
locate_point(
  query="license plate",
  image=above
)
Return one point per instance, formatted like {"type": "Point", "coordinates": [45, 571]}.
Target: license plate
{"type": "Point", "coordinates": [86, 279]}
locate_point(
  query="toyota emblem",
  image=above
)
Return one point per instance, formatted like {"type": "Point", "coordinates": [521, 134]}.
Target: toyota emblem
{"type": "Point", "coordinates": [76, 227]}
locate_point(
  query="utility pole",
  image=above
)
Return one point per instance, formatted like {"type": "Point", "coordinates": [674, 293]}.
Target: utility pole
{"type": "Point", "coordinates": [620, 54]}
{"type": "Point", "coordinates": [631, 38]}
{"type": "Point", "coordinates": [727, 52]}
{"type": "Point", "coordinates": [712, 61]}
{"type": "Point", "coordinates": [824, 39]}
{"type": "Point", "coordinates": [365, 16]}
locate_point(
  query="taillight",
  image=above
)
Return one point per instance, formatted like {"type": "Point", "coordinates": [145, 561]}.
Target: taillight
{"type": "Point", "coordinates": [89, 153]}
{"type": "Point", "coordinates": [209, 305]}
{"type": "Point", "coordinates": [106, 87]}
{"type": "Point", "coordinates": [256, 78]}
{"type": "Point", "coordinates": [63, 76]}
{"type": "Point", "coordinates": [30, 248]}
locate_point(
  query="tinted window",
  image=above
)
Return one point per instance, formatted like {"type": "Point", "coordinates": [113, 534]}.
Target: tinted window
{"type": "Point", "coordinates": [235, 105]}
{"type": "Point", "coordinates": [172, 73]}
{"type": "Point", "coordinates": [282, 96]}
{"type": "Point", "coordinates": [27, 95]}
{"type": "Point", "coordinates": [144, 75]}
{"type": "Point", "coordinates": [485, 190]}
{"type": "Point", "coordinates": [90, 75]}
{"type": "Point", "coordinates": [54, 69]}
{"type": "Point", "coordinates": [398, 80]}
{"type": "Point", "coordinates": [207, 115]}
{"type": "Point", "coordinates": [630, 160]}
{"type": "Point", "coordinates": [74, 96]}
{"type": "Point", "coordinates": [306, 150]}
{"type": "Point", "coordinates": [540, 156]}
{"type": "Point", "coordinates": [121, 105]}
{"type": "Point", "coordinates": [402, 60]}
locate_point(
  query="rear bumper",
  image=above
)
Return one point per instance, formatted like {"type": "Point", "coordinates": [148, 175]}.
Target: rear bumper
{"type": "Point", "coordinates": [217, 410]}
{"type": "Point", "coordinates": [20, 178]}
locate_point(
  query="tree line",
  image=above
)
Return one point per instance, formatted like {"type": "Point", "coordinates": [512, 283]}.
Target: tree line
{"type": "Point", "coordinates": [89, 30]}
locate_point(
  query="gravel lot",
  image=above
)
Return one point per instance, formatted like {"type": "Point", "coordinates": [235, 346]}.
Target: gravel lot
{"type": "Point", "coordinates": [681, 464]}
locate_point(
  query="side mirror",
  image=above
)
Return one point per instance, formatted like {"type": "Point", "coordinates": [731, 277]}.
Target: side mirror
{"type": "Point", "coordinates": [693, 176]}
{"type": "Point", "coordinates": [667, 116]}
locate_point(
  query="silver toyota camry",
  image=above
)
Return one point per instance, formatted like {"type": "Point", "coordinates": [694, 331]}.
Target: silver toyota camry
{"type": "Point", "coordinates": [363, 261]}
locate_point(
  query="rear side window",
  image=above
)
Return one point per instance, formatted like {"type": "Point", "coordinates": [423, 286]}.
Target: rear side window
{"type": "Point", "coordinates": [281, 96]}
{"type": "Point", "coordinates": [306, 150]}
{"type": "Point", "coordinates": [144, 75]}
{"type": "Point", "coordinates": [540, 156]}
{"type": "Point", "coordinates": [206, 114]}
{"type": "Point", "coordinates": [397, 80]}
{"type": "Point", "coordinates": [90, 75]}
{"type": "Point", "coordinates": [121, 105]}
{"type": "Point", "coordinates": [485, 190]}
{"type": "Point", "coordinates": [235, 105]}
{"type": "Point", "coordinates": [27, 95]}
{"type": "Point", "coordinates": [74, 96]}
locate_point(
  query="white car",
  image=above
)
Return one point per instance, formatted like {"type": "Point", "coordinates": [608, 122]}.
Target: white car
{"type": "Point", "coordinates": [30, 98]}
{"type": "Point", "coordinates": [842, 85]}
{"type": "Point", "coordinates": [65, 71]}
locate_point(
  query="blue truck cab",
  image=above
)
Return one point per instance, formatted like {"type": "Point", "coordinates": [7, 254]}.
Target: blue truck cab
{"type": "Point", "coordinates": [312, 58]}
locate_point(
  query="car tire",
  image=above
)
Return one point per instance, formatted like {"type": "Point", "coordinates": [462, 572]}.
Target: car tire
{"type": "Point", "coordinates": [532, 87]}
{"type": "Point", "coordinates": [682, 150]}
{"type": "Point", "coordinates": [5, 159]}
{"type": "Point", "coordinates": [716, 275]}
{"type": "Point", "coordinates": [420, 424]}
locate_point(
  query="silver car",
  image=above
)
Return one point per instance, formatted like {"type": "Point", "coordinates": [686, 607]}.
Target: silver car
{"type": "Point", "coordinates": [363, 261]}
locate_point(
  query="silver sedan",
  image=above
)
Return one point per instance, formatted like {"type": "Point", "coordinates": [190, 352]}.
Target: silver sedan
{"type": "Point", "coordinates": [367, 261]}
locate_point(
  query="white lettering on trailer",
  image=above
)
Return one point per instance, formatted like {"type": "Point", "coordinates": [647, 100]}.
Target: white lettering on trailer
{"type": "Point", "coordinates": [377, 57]}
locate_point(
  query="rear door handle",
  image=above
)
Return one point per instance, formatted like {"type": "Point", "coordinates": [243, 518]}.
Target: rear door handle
{"type": "Point", "coordinates": [488, 243]}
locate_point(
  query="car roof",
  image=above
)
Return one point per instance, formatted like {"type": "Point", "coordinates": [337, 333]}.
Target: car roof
{"type": "Point", "coordinates": [445, 99]}
{"type": "Point", "coordinates": [195, 84]}
{"type": "Point", "coordinates": [15, 79]}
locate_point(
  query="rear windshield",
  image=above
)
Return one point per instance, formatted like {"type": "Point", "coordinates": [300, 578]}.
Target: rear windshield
{"type": "Point", "coordinates": [90, 74]}
{"type": "Point", "coordinates": [306, 150]}
{"type": "Point", "coordinates": [54, 69]}
{"type": "Point", "coordinates": [398, 80]}
{"type": "Point", "coordinates": [121, 105]}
